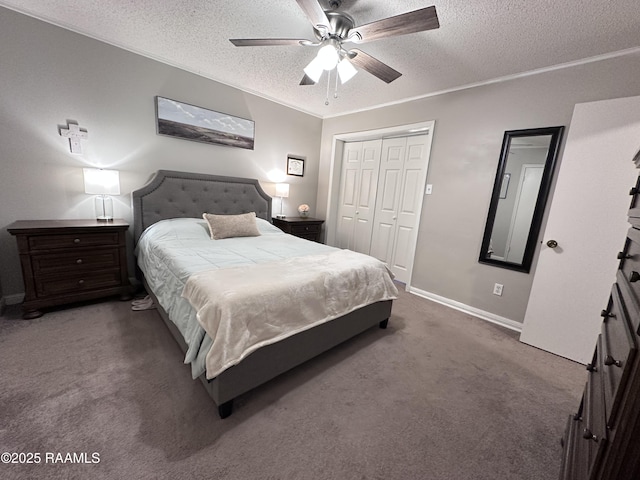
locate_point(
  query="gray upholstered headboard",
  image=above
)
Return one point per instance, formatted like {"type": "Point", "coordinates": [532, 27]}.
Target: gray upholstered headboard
{"type": "Point", "coordinates": [172, 194]}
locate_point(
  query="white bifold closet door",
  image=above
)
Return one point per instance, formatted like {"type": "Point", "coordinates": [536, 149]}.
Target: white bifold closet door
{"type": "Point", "coordinates": [358, 182]}
{"type": "Point", "coordinates": [381, 190]}
{"type": "Point", "coordinates": [401, 182]}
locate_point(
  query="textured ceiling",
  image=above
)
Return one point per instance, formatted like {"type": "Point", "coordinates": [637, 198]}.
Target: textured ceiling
{"type": "Point", "coordinates": [478, 40]}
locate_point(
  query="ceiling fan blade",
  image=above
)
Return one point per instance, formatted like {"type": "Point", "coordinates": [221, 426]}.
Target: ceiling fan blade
{"type": "Point", "coordinates": [307, 81]}
{"type": "Point", "coordinates": [266, 42]}
{"type": "Point", "coordinates": [410, 22]}
{"type": "Point", "coordinates": [314, 12]}
{"type": "Point", "coordinates": [374, 66]}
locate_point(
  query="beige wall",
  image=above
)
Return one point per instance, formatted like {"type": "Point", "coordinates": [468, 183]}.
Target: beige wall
{"type": "Point", "coordinates": [49, 75]}
{"type": "Point", "coordinates": [467, 138]}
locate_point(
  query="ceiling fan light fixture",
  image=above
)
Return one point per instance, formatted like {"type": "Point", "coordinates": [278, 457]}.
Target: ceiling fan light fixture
{"type": "Point", "coordinates": [328, 55]}
{"type": "Point", "coordinates": [346, 70]}
{"type": "Point", "coordinates": [314, 69]}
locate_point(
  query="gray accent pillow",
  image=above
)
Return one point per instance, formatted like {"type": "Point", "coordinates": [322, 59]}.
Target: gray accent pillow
{"type": "Point", "coordinates": [227, 226]}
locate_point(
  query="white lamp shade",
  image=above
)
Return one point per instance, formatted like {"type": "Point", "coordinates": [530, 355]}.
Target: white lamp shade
{"type": "Point", "coordinates": [346, 70]}
{"type": "Point", "coordinates": [282, 190]}
{"type": "Point", "coordinates": [328, 56]}
{"type": "Point", "coordinates": [314, 69]}
{"type": "Point", "coordinates": [101, 182]}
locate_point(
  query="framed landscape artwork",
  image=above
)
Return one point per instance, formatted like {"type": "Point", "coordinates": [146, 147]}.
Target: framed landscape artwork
{"type": "Point", "coordinates": [181, 120]}
{"type": "Point", "coordinates": [295, 166]}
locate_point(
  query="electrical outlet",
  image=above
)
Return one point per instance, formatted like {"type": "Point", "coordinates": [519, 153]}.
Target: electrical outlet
{"type": "Point", "coordinates": [497, 289]}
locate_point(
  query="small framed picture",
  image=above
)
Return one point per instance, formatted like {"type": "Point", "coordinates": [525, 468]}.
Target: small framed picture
{"type": "Point", "coordinates": [295, 166]}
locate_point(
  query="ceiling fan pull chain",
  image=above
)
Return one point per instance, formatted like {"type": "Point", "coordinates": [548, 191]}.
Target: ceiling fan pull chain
{"type": "Point", "coordinates": [335, 92]}
{"type": "Point", "coordinates": [326, 100]}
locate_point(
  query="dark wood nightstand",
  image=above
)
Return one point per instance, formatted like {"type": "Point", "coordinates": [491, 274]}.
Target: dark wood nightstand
{"type": "Point", "coordinates": [66, 261]}
{"type": "Point", "coordinates": [303, 227]}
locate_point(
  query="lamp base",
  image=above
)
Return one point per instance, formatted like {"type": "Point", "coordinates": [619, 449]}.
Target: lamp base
{"type": "Point", "coordinates": [104, 208]}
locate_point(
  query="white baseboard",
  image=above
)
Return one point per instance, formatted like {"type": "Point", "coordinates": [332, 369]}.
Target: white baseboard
{"type": "Point", "coordinates": [476, 312]}
{"type": "Point", "coordinates": [13, 299]}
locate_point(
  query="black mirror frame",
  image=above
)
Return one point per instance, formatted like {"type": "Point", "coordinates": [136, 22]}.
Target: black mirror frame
{"type": "Point", "coordinates": [541, 202]}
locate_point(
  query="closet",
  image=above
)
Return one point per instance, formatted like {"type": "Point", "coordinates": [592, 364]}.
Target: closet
{"type": "Point", "coordinates": [381, 188]}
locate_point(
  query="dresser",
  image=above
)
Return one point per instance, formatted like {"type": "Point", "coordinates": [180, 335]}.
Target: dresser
{"type": "Point", "coordinates": [66, 261]}
{"type": "Point", "coordinates": [602, 438]}
{"type": "Point", "coordinates": [304, 227]}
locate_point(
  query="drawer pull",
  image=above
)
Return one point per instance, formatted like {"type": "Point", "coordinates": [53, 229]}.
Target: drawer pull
{"type": "Point", "coordinates": [79, 261]}
{"type": "Point", "coordinates": [633, 191]}
{"type": "Point", "coordinates": [588, 435]}
{"type": "Point", "coordinates": [623, 256]}
{"type": "Point", "coordinates": [604, 314]}
{"type": "Point", "coordinates": [552, 244]}
{"type": "Point", "coordinates": [634, 277]}
{"type": "Point", "coordinates": [76, 240]}
{"type": "Point", "coordinates": [592, 368]}
{"type": "Point", "coordinates": [609, 360]}
{"type": "Point", "coordinates": [80, 282]}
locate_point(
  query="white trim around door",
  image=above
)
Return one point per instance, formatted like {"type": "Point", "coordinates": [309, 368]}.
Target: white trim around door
{"type": "Point", "coordinates": [421, 128]}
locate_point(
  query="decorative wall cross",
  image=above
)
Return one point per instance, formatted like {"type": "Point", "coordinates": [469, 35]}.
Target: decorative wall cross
{"type": "Point", "coordinates": [74, 134]}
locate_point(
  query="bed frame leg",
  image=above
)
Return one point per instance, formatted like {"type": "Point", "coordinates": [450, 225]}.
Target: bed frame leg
{"type": "Point", "coordinates": [225, 409]}
{"type": "Point", "coordinates": [383, 324]}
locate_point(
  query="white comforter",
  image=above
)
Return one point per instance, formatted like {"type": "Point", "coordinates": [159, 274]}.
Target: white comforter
{"type": "Point", "coordinates": [245, 308]}
{"type": "Point", "coordinates": [171, 251]}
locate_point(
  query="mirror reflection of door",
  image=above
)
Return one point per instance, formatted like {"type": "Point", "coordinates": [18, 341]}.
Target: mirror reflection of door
{"type": "Point", "coordinates": [522, 183]}
{"type": "Point", "coordinates": [525, 166]}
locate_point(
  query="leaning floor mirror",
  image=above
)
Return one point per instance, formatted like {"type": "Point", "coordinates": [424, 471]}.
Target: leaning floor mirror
{"type": "Point", "coordinates": [520, 191]}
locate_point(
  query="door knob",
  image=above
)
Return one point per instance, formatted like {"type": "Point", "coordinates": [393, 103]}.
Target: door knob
{"type": "Point", "coordinates": [552, 244]}
{"type": "Point", "coordinates": [609, 360]}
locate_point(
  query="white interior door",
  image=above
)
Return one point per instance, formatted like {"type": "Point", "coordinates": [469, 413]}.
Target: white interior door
{"type": "Point", "coordinates": [587, 218]}
{"type": "Point", "coordinates": [388, 198]}
{"type": "Point", "coordinates": [360, 166]}
{"type": "Point", "coordinates": [401, 184]}
{"type": "Point", "coordinates": [414, 180]}
{"type": "Point", "coordinates": [526, 196]}
{"type": "Point", "coordinates": [349, 183]}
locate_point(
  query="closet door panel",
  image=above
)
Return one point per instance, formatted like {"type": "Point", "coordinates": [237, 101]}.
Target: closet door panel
{"type": "Point", "coordinates": [349, 186]}
{"type": "Point", "coordinates": [388, 197]}
{"type": "Point", "coordinates": [401, 257]}
{"type": "Point", "coordinates": [358, 183]}
{"type": "Point", "coordinates": [414, 175]}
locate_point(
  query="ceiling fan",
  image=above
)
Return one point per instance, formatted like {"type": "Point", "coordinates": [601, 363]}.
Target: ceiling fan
{"type": "Point", "coordinates": [332, 29]}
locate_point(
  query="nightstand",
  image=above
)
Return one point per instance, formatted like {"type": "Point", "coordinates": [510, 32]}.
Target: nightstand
{"type": "Point", "coordinates": [303, 227]}
{"type": "Point", "coordinates": [66, 261]}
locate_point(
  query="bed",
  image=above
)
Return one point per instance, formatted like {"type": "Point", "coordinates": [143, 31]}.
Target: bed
{"type": "Point", "coordinates": [169, 210]}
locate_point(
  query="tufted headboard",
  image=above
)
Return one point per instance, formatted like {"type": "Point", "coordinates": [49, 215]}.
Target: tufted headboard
{"type": "Point", "coordinates": [172, 194]}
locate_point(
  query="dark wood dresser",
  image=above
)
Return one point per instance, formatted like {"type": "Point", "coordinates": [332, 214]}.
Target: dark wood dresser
{"type": "Point", "coordinates": [602, 439]}
{"type": "Point", "coordinates": [303, 227]}
{"type": "Point", "coordinates": [65, 261]}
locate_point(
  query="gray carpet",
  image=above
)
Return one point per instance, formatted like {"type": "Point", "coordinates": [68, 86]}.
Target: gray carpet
{"type": "Point", "coordinates": [438, 395]}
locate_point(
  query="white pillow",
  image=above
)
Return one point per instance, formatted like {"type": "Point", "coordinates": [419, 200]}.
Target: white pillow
{"type": "Point", "coordinates": [228, 226]}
